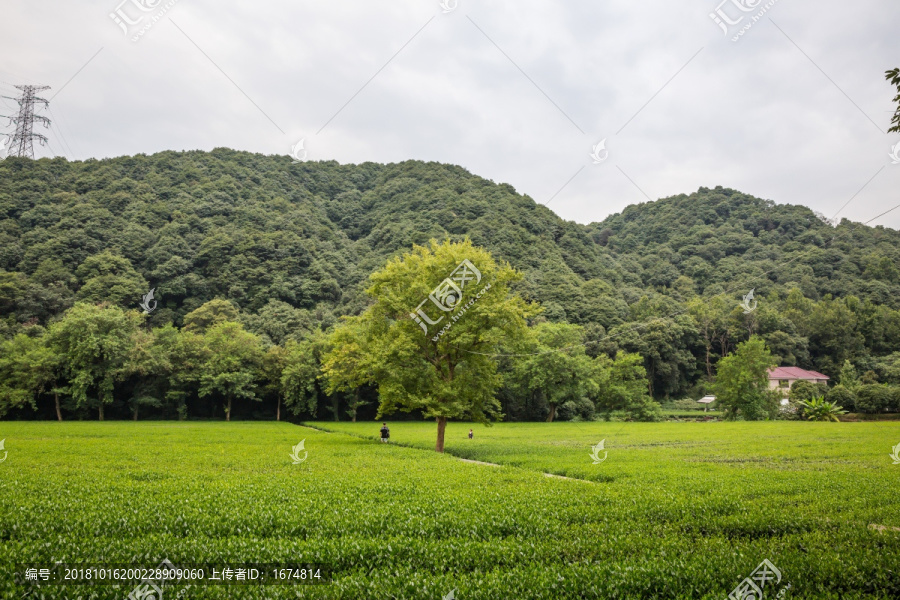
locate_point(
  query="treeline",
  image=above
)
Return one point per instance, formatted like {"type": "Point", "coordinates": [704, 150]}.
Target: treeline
{"type": "Point", "coordinates": [291, 246]}
{"type": "Point", "coordinates": [100, 361]}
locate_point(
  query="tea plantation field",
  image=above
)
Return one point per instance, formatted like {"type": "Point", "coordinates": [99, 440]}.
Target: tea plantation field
{"type": "Point", "coordinates": [676, 510]}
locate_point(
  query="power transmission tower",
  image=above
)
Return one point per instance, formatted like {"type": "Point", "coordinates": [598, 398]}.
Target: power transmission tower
{"type": "Point", "coordinates": [22, 141]}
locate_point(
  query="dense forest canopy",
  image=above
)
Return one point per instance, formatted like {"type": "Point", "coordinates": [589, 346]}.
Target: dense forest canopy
{"type": "Point", "coordinates": [290, 247]}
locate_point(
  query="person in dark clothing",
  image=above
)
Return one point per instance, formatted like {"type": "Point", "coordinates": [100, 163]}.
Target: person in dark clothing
{"type": "Point", "coordinates": [385, 432]}
{"type": "Point", "coordinates": [471, 434]}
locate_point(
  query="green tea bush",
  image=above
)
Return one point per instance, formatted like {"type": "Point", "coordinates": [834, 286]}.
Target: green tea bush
{"type": "Point", "coordinates": [649, 521]}
{"type": "Point", "coordinates": [894, 403]}
{"type": "Point", "coordinates": [582, 409]}
{"type": "Point", "coordinates": [873, 398]}
{"type": "Point", "coordinates": [842, 396]}
{"type": "Point", "coordinates": [807, 390]}
{"type": "Point", "coordinates": [688, 404]}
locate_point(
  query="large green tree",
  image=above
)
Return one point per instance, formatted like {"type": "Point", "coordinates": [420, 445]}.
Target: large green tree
{"type": "Point", "coordinates": [28, 368]}
{"type": "Point", "coordinates": [622, 386]}
{"type": "Point", "coordinates": [742, 382]}
{"type": "Point", "coordinates": [95, 342]}
{"type": "Point", "coordinates": [439, 315]}
{"type": "Point", "coordinates": [233, 358]}
{"type": "Point", "coordinates": [188, 354]}
{"type": "Point", "coordinates": [150, 364]}
{"type": "Point", "coordinates": [667, 345]}
{"type": "Point", "coordinates": [299, 383]}
{"type": "Point", "coordinates": [711, 317]}
{"type": "Point", "coordinates": [271, 368]}
{"type": "Point", "coordinates": [556, 365]}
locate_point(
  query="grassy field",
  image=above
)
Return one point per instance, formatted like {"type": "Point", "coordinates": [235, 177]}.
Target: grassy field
{"type": "Point", "coordinates": [676, 510]}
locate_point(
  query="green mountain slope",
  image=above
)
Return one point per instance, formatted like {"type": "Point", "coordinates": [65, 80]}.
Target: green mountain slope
{"type": "Point", "coordinates": [293, 243]}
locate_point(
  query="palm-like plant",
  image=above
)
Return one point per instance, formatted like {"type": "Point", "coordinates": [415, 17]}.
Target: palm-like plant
{"type": "Point", "coordinates": [817, 409]}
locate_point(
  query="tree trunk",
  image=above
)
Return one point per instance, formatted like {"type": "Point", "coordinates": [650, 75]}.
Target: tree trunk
{"type": "Point", "coordinates": [723, 345]}
{"type": "Point", "coordinates": [335, 404]}
{"type": "Point", "coordinates": [228, 410]}
{"type": "Point", "coordinates": [552, 413]}
{"type": "Point", "coordinates": [58, 412]}
{"type": "Point", "coordinates": [708, 363]}
{"type": "Point", "coordinates": [135, 411]}
{"type": "Point", "coordinates": [278, 410]}
{"type": "Point", "coordinates": [355, 406]}
{"type": "Point", "coordinates": [442, 425]}
{"type": "Point", "coordinates": [101, 410]}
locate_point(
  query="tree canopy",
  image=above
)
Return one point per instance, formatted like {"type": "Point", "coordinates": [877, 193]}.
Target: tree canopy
{"type": "Point", "coordinates": [893, 76]}
{"type": "Point", "coordinates": [438, 314]}
{"type": "Point", "coordinates": [742, 383]}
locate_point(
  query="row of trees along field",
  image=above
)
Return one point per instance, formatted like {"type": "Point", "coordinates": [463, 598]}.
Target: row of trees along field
{"type": "Point", "coordinates": [99, 357]}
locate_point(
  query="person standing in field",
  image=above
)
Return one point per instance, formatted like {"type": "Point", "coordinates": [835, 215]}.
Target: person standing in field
{"type": "Point", "coordinates": [471, 434]}
{"type": "Point", "coordinates": [385, 432]}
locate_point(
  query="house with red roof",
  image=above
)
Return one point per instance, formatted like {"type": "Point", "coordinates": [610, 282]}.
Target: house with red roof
{"type": "Point", "coordinates": [782, 378]}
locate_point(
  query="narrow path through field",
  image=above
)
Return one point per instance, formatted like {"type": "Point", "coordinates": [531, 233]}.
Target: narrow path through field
{"type": "Point", "coordinates": [569, 478]}
{"type": "Point", "coordinates": [313, 428]}
{"type": "Point", "coordinates": [883, 527]}
{"type": "Point", "coordinates": [490, 464]}
{"type": "Point", "coordinates": [476, 462]}
{"type": "Point", "coordinates": [479, 462]}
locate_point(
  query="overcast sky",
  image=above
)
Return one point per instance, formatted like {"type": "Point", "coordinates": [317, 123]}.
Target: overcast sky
{"type": "Point", "coordinates": [795, 110]}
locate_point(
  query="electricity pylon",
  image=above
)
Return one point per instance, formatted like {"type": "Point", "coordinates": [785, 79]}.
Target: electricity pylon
{"type": "Point", "coordinates": [22, 141]}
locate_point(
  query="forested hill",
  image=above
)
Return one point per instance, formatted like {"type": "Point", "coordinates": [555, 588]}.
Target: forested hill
{"type": "Point", "coordinates": [291, 244]}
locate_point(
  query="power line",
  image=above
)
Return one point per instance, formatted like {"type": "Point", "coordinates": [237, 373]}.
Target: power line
{"type": "Point", "coordinates": [53, 151]}
{"type": "Point", "coordinates": [52, 147]}
{"type": "Point", "coordinates": [59, 129]}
